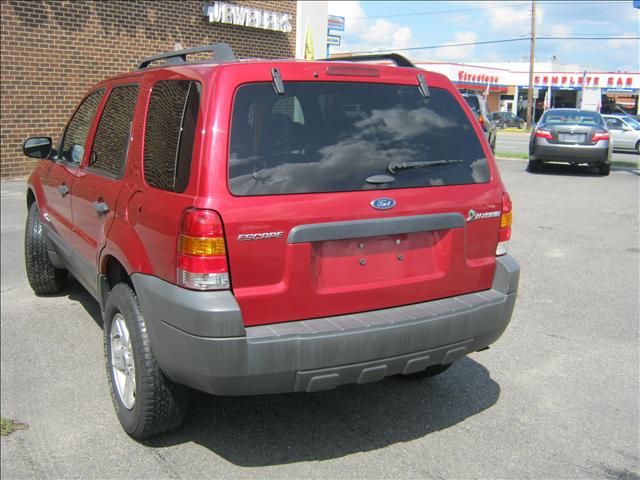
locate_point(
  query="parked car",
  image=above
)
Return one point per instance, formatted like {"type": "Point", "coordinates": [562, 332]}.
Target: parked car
{"type": "Point", "coordinates": [243, 235]}
{"type": "Point", "coordinates": [624, 131]}
{"type": "Point", "coordinates": [570, 135]}
{"type": "Point", "coordinates": [481, 111]}
{"type": "Point", "coordinates": [507, 119]}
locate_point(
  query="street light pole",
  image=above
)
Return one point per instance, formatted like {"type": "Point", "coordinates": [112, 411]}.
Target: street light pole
{"type": "Point", "coordinates": [532, 58]}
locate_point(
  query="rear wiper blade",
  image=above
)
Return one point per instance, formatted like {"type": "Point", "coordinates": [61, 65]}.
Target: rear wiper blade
{"type": "Point", "coordinates": [393, 166]}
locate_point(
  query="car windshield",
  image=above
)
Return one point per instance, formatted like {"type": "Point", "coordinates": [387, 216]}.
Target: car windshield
{"type": "Point", "coordinates": [571, 117]}
{"type": "Point", "coordinates": [338, 136]}
{"type": "Point", "coordinates": [632, 122]}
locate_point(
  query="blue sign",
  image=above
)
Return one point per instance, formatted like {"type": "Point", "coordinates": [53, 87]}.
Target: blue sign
{"type": "Point", "coordinates": [333, 40]}
{"type": "Point", "coordinates": [335, 23]}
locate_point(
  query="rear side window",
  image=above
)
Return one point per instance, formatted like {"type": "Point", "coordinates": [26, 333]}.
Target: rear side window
{"type": "Point", "coordinates": [75, 135]}
{"type": "Point", "coordinates": [338, 136]}
{"type": "Point", "coordinates": [111, 143]}
{"type": "Point", "coordinates": [170, 132]}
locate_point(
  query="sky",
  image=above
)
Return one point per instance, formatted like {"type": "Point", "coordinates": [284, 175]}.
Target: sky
{"type": "Point", "coordinates": [397, 25]}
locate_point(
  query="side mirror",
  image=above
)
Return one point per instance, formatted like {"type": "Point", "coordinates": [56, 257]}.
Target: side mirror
{"type": "Point", "coordinates": [37, 147]}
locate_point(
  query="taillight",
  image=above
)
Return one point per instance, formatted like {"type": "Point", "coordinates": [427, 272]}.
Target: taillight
{"type": "Point", "coordinates": [544, 134]}
{"type": "Point", "coordinates": [505, 225]}
{"type": "Point", "coordinates": [202, 254]}
{"type": "Point", "coordinates": [481, 121]}
{"type": "Point", "coordinates": [599, 136]}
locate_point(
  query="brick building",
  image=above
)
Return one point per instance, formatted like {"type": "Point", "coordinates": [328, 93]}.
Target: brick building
{"type": "Point", "coordinates": [52, 51]}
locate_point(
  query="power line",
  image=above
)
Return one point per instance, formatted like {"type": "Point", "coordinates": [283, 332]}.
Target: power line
{"type": "Point", "coordinates": [506, 40]}
{"type": "Point", "coordinates": [509, 5]}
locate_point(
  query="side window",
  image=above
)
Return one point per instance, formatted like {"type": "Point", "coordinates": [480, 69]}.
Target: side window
{"type": "Point", "coordinates": [75, 135]}
{"type": "Point", "coordinates": [111, 143]}
{"type": "Point", "coordinates": [170, 131]}
{"type": "Point", "coordinates": [614, 123]}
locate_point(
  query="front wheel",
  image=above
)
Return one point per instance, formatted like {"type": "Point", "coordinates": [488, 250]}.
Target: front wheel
{"type": "Point", "coordinates": [146, 402]}
{"type": "Point", "coordinates": [44, 278]}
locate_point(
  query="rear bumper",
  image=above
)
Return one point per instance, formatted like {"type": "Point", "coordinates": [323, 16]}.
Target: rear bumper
{"type": "Point", "coordinates": [316, 354]}
{"type": "Point", "coordinates": [567, 153]}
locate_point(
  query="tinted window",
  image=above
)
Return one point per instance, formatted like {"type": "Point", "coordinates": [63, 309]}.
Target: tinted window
{"type": "Point", "coordinates": [75, 135]}
{"type": "Point", "coordinates": [171, 126]}
{"type": "Point", "coordinates": [329, 137]}
{"type": "Point", "coordinates": [111, 143]}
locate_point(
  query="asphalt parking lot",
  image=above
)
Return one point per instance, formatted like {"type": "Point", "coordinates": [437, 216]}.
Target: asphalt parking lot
{"type": "Point", "coordinates": [555, 397]}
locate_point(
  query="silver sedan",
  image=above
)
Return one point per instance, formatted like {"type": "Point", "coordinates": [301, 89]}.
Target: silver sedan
{"type": "Point", "coordinates": [570, 135]}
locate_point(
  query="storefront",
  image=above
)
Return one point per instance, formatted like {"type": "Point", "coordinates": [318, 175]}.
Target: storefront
{"type": "Point", "coordinates": [52, 52]}
{"type": "Point", "coordinates": [506, 86]}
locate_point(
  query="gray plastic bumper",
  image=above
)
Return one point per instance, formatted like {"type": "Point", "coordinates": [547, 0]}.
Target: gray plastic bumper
{"type": "Point", "coordinates": [199, 340]}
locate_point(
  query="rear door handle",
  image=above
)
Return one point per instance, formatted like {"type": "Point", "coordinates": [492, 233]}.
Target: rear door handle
{"type": "Point", "coordinates": [100, 207]}
{"type": "Point", "coordinates": [63, 189]}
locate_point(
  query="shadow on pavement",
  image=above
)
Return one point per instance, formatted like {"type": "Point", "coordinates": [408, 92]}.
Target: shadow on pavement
{"type": "Point", "coordinates": [562, 169]}
{"type": "Point", "coordinates": [280, 429]}
{"type": "Point", "coordinates": [78, 293]}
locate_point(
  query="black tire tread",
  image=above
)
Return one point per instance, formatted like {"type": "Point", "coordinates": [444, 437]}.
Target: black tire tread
{"type": "Point", "coordinates": [604, 169]}
{"type": "Point", "coordinates": [44, 278]}
{"type": "Point", "coordinates": [161, 403]}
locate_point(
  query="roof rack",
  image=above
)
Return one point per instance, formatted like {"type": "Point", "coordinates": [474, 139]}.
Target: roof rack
{"type": "Point", "coordinates": [221, 52]}
{"type": "Point", "coordinates": [396, 58]}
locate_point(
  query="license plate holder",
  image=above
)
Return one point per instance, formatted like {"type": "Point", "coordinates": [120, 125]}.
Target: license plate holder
{"type": "Point", "coordinates": [572, 137]}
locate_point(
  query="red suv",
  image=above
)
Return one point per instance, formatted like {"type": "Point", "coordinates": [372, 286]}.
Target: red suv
{"type": "Point", "coordinates": [254, 227]}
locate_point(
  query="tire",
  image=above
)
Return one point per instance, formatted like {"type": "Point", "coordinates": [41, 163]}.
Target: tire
{"type": "Point", "coordinates": [159, 405]}
{"type": "Point", "coordinates": [534, 166]}
{"type": "Point", "coordinates": [44, 278]}
{"type": "Point", "coordinates": [604, 169]}
{"type": "Point", "coordinates": [521, 125]}
{"type": "Point", "coordinates": [638, 148]}
{"type": "Point", "coordinates": [432, 371]}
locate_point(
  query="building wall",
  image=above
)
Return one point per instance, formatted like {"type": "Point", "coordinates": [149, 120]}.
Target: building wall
{"type": "Point", "coordinates": [53, 51]}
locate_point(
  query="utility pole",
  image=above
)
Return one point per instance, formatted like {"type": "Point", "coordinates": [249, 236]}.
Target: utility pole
{"type": "Point", "coordinates": [532, 59]}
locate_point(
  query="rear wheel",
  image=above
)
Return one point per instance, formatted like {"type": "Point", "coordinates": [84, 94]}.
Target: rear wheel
{"type": "Point", "coordinates": [638, 147]}
{"type": "Point", "coordinates": [534, 166]}
{"type": "Point", "coordinates": [146, 402]}
{"type": "Point", "coordinates": [43, 277]}
{"type": "Point", "coordinates": [604, 169]}
{"type": "Point", "coordinates": [429, 372]}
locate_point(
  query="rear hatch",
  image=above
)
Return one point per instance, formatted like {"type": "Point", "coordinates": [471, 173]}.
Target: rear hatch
{"type": "Point", "coordinates": [354, 196]}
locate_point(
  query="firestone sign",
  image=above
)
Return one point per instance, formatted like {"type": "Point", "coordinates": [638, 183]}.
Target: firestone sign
{"type": "Point", "coordinates": [247, 17]}
{"type": "Point", "coordinates": [464, 76]}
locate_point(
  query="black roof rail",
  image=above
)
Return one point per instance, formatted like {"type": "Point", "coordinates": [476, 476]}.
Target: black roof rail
{"type": "Point", "coordinates": [221, 52]}
{"type": "Point", "coordinates": [396, 58]}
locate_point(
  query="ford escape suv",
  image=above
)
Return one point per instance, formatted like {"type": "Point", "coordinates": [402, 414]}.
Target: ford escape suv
{"type": "Point", "coordinates": [253, 227]}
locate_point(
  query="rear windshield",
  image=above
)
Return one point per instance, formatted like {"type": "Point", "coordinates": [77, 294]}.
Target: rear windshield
{"type": "Point", "coordinates": [474, 103]}
{"type": "Point", "coordinates": [336, 137]}
{"type": "Point", "coordinates": [572, 117]}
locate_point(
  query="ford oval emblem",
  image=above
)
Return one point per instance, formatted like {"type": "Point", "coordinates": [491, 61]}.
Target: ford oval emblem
{"type": "Point", "coordinates": [383, 203]}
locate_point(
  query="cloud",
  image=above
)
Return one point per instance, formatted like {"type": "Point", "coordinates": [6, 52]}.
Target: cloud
{"type": "Point", "coordinates": [374, 34]}
{"type": "Point", "coordinates": [457, 53]}
{"type": "Point", "coordinates": [512, 20]}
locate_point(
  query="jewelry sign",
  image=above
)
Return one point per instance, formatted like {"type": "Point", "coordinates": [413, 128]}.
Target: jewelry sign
{"type": "Point", "coordinates": [247, 17]}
